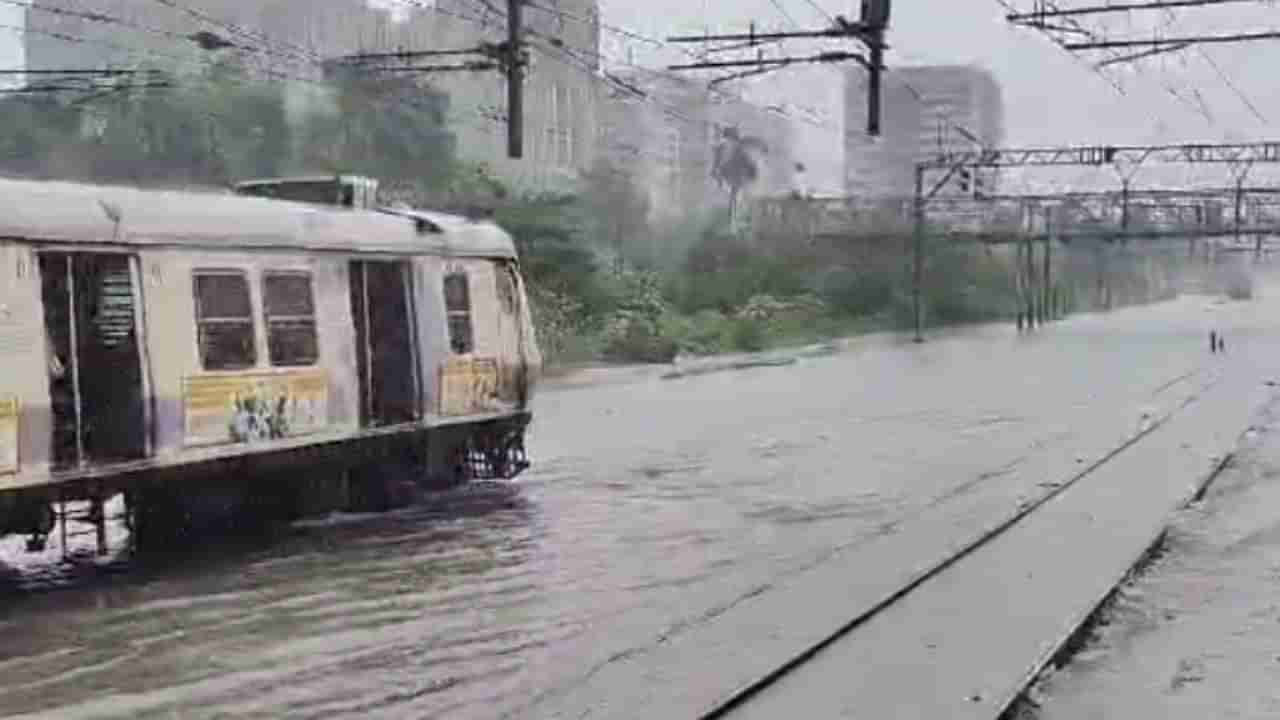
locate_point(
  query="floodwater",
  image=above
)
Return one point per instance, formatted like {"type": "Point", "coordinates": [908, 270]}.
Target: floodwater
{"type": "Point", "coordinates": [1197, 633]}
{"type": "Point", "coordinates": [653, 505]}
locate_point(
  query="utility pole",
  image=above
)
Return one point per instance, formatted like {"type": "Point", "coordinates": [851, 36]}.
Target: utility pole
{"type": "Point", "coordinates": [917, 266]}
{"type": "Point", "coordinates": [515, 79]}
{"type": "Point", "coordinates": [1239, 207]}
{"type": "Point", "coordinates": [1046, 302]}
{"type": "Point", "coordinates": [869, 29]}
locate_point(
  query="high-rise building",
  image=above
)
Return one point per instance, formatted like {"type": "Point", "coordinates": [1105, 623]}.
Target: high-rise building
{"type": "Point", "coordinates": [661, 139]}
{"type": "Point", "coordinates": [666, 130]}
{"type": "Point", "coordinates": [924, 110]}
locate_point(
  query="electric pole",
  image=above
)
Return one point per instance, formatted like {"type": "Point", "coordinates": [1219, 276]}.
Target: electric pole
{"type": "Point", "coordinates": [515, 80]}
{"type": "Point", "coordinates": [869, 30]}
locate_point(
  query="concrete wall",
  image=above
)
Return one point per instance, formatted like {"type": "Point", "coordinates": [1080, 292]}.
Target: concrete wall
{"type": "Point", "coordinates": [924, 110]}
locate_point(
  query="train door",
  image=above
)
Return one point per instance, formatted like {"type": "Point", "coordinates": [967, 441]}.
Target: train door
{"type": "Point", "coordinates": [386, 350]}
{"type": "Point", "coordinates": [509, 322]}
{"type": "Point", "coordinates": [97, 386]}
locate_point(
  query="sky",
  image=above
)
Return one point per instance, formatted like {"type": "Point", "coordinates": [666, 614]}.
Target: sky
{"type": "Point", "coordinates": [11, 55]}
{"type": "Point", "coordinates": [1051, 97]}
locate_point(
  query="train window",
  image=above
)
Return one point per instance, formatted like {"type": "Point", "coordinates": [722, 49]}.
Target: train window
{"type": "Point", "coordinates": [224, 320]}
{"type": "Point", "coordinates": [289, 306]}
{"type": "Point", "coordinates": [457, 302]}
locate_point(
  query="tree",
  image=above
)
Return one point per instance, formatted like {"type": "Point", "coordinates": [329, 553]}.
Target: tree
{"type": "Point", "coordinates": [218, 123]}
{"type": "Point", "coordinates": [619, 208]}
{"type": "Point", "coordinates": [382, 125]}
{"type": "Point", "coordinates": [205, 127]}
{"type": "Point", "coordinates": [734, 164]}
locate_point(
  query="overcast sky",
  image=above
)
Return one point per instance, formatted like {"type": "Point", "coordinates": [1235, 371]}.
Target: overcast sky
{"type": "Point", "coordinates": [11, 56]}
{"type": "Point", "coordinates": [1050, 96]}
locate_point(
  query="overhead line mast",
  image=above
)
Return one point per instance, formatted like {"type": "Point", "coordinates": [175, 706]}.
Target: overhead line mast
{"type": "Point", "coordinates": [870, 30]}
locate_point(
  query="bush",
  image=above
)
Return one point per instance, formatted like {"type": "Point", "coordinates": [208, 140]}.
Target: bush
{"type": "Point", "coordinates": [556, 321]}
{"type": "Point", "coordinates": [704, 333]}
{"type": "Point", "coordinates": [629, 337]}
{"type": "Point", "coordinates": [634, 331]}
{"type": "Point", "coordinates": [855, 293]}
{"type": "Point", "coordinates": [748, 335]}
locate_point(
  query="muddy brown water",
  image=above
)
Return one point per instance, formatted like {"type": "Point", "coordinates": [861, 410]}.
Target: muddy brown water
{"type": "Point", "coordinates": [653, 504]}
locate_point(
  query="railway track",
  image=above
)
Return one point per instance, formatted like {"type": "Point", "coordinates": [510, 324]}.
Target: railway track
{"type": "Point", "coordinates": [745, 694]}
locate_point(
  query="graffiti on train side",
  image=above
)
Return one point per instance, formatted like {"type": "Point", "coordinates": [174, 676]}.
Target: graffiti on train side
{"type": "Point", "coordinates": [8, 435]}
{"type": "Point", "coordinates": [468, 386]}
{"type": "Point", "coordinates": [253, 407]}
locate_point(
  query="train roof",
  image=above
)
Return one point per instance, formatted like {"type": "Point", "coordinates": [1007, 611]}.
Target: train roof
{"type": "Point", "coordinates": [70, 213]}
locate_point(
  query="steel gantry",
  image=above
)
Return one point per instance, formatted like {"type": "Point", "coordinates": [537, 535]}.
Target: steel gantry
{"type": "Point", "coordinates": [1127, 159]}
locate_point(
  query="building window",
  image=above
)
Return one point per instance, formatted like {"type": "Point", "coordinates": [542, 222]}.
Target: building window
{"type": "Point", "coordinates": [457, 304]}
{"type": "Point", "coordinates": [552, 143]}
{"type": "Point", "coordinates": [224, 320]}
{"type": "Point", "coordinates": [566, 115]}
{"type": "Point", "coordinates": [289, 307]}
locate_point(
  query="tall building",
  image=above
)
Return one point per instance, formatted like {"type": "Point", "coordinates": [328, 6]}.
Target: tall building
{"type": "Point", "coordinates": [924, 110]}
{"type": "Point", "coordinates": [288, 39]}
{"type": "Point", "coordinates": [664, 130]}
{"type": "Point", "coordinates": [662, 139]}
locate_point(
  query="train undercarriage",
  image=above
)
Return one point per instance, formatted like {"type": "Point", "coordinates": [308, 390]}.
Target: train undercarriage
{"type": "Point", "coordinates": [370, 474]}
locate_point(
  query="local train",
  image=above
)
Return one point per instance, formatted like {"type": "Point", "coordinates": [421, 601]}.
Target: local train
{"type": "Point", "coordinates": [242, 348]}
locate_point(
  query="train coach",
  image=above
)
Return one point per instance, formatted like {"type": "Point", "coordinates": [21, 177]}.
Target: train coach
{"type": "Point", "coordinates": [198, 349]}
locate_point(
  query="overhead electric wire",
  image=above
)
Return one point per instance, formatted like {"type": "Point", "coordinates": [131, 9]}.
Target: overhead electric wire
{"type": "Point", "coordinates": [1200, 109]}
{"type": "Point", "coordinates": [1154, 46]}
{"type": "Point", "coordinates": [1222, 75]}
{"type": "Point", "coordinates": [1016, 16]}
{"type": "Point", "coordinates": [254, 35]}
{"type": "Point", "coordinates": [821, 10]}
{"type": "Point", "coordinates": [106, 19]}
{"type": "Point", "coordinates": [557, 45]}
{"type": "Point", "coordinates": [268, 73]}
{"type": "Point", "coordinates": [262, 43]}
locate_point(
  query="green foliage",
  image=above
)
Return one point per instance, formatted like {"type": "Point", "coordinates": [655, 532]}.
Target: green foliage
{"type": "Point", "coordinates": [617, 213]}
{"type": "Point", "coordinates": [722, 272]}
{"type": "Point", "coordinates": [747, 335]}
{"type": "Point", "coordinates": [216, 124]}
{"type": "Point", "coordinates": [382, 125]}
{"type": "Point", "coordinates": [634, 330]}
{"type": "Point", "coordinates": [550, 233]}
{"type": "Point", "coordinates": [857, 292]}
{"type": "Point", "coordinates": [734, 164]}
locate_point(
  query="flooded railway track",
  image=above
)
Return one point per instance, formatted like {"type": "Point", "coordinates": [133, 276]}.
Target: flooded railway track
{"type": "Point", "coordinates": [739, 702]}
{"type": "Point", "coordinates": [724, 665]}
{"type": "Point", "coordinates": [621, 584]}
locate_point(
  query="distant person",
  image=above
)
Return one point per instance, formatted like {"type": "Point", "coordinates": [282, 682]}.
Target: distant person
{"type": "Point", "coordinates": [1222, 343]}
{"type": "Point", "coordinates": [1213, 341]}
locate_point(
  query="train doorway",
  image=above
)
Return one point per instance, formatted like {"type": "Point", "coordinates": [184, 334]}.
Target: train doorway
{"type": "Point", "coordinates": [381, 305]}
{"type": "Point", "coordinates": [97, 392]}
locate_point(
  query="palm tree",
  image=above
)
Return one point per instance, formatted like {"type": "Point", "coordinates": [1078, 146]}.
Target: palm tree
{"type": "Point", "coordinates": [735, 164]}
